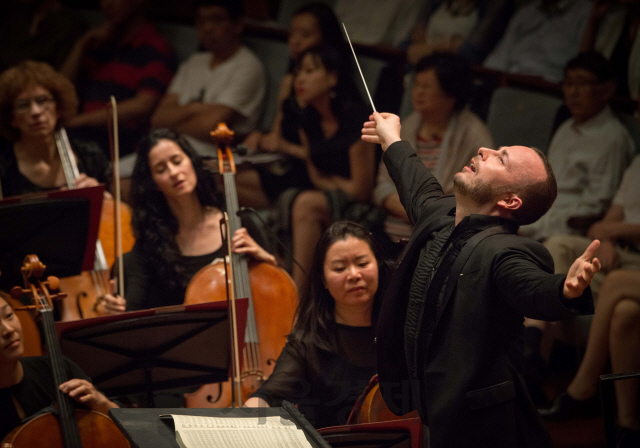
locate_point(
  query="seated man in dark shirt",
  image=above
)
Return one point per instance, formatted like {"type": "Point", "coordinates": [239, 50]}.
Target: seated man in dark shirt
{"type": "Point", "coordinates": [125, 57]}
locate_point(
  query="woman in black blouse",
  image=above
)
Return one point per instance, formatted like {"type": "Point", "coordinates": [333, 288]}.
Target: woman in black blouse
{"type": "Point", "coordinates": [176, 220]}
{"type": "Point", "coordinates": [35, 101]}
{"type": "Point", "coordinates": [340, 166]}
{"type": "Point", "coordinates": [330, 354]}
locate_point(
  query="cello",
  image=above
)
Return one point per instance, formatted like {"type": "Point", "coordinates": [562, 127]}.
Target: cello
{"type": "Point", "coordinates": [371, 408]}
{"type": "Point", "coordinates": [115, 233]}
{"type": "Point", "coordinates": [69, 429]}
{"type": "Point", "coordinates": [270, 315]}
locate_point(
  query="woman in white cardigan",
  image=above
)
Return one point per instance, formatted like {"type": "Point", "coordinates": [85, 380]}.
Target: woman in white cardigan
{"type": "Point", "coordinates": [444, 132]}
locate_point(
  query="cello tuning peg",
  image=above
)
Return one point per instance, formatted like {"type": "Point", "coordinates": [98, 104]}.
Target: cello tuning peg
{"type": "Point", "coordinates": [60, 296]}
{"type": "Point", "coordinates": [16, 292]}
{"type": "Point", "coordinates": [53, 282]}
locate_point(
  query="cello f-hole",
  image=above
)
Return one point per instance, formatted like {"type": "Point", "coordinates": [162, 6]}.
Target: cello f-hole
{"type": "Point", "coordinates": [210, 397]}
{"type": "Point", "coordinates": [79, 297]}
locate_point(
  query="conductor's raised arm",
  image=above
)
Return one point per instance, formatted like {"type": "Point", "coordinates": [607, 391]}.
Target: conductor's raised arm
{"type": "Point", "coordinates": [383, 129]}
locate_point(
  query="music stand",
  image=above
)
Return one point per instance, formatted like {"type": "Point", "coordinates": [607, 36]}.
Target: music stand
{"type": "Point", "coordinates": [155, 349]}
{"type": "Point", "coordinates": [60, 227]}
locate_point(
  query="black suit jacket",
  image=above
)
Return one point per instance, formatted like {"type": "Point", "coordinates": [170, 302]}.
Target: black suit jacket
{"type": "Point", "coordinates": [469, 391]}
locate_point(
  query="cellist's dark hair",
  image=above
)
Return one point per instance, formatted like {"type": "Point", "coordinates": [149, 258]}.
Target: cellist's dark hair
{"type": "Point", "coordinates": [154, 225]}
{"type": "Point", "coordinates": [315, 321]}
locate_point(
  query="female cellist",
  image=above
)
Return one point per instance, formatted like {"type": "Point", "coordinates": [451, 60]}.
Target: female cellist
{"type": "Point", "coordinates": [35, 101]}
{"type": "Point", "coordinates": [26, 384]}
{"type": "Point", "coordinates": [330, 355]}
{"type": "Point", "coordinates": [176, 219]}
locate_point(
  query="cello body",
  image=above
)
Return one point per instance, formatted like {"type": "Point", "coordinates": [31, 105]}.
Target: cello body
{"type": "Point", "coordinates": [69, 428]}
{"type": "Point", "coordinates": [275, 300]}
{"type": "Point", "coordinates": [84, 290]}
{"type": "Point", "coordinates": [371, 408]}
{"type": "Point", "coordinates": [96, 431]}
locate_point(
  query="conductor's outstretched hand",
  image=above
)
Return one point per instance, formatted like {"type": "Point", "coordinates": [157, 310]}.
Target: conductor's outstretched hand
{"type": "Point", "coordinates": [581, 272]}
{"type": "Point", "coordinates": [383, 129]}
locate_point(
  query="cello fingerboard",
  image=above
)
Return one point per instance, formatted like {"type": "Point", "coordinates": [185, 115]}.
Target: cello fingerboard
{"type": "Point", "coordinates": [239, 261]}
{"type": "Point", "coordinates": [68, 424]}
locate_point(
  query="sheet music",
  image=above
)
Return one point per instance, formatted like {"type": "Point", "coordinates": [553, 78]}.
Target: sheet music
{"type": "Point", "coordinates": [260, 432]}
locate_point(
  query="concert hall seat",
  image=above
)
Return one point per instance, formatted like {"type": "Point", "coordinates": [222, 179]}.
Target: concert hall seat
{"type": "Point", "coordinates": [521, 117]}
{"type": "Point", "coordinates": [274, 56]}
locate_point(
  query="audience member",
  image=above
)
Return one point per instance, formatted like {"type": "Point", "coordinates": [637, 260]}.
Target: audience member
{"type": "Point", "coordinates": [37, 30]}
{"type": "Point", "coordinates": [619, 235]}
{"type": "Point", "coordinates": [223, 83]}
{"type": "Point", "coordinates": [340, 166]}
{"type": "Point", "coordinates": [330, 355]}
{"type": "Point", "coordinates": [618, 232]}
{"type": "Point", "coordinates": [312, 25]}
{"type": "Point", "coordinates": [614, 334]}
{"type": "Point", "coordinates": [588, 153]}
{"type": "Point", "coordinates": [613, 31]}
{"type": "Point", "coordinates": [540, 38]}
{"type": "Point", "coordinates": [125, 57]}
{"type": "Point", "coordinates": [378, 21]}
{"type": "Point", "coordinates": [444, 132]}
{"type": "Point", "coordinates": [467, 27]}
{"type": "Point", "coordinates": [35, 101]}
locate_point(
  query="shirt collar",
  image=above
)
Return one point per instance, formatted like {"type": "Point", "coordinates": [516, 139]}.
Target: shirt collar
{"type": "Point", "coordinates": [594, 122]}
{"type": "Point", "coordinates": [483, 222]}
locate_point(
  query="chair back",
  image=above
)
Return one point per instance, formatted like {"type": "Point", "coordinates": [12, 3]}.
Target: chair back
{"type": "Point", "coordinates": [521, 117]}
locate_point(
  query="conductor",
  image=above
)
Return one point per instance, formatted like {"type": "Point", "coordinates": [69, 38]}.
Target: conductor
{"type": "Point", "coordinates": [450, 329]}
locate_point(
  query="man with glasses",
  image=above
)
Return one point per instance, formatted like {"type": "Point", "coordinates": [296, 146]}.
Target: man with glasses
{"type": "Point", "coordinates": [589, 153]}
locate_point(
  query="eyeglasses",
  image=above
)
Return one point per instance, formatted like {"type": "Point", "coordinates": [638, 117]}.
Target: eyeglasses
{"type": "Point", "coordinates": [23, 106]}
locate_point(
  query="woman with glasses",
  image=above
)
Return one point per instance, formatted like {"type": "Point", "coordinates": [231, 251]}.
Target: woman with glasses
{"type": "Point", "coordinates": [35, 101]}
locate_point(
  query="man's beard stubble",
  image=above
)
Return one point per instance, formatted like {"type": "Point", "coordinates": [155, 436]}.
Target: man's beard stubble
{"type": "Point", "coordinates": [480, 193]}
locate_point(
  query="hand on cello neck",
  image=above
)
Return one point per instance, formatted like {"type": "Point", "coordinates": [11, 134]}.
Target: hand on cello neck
{"type": "Point", "coordinates": [111, 303]}
{"type": "Point", "coordinates": [242, 243]}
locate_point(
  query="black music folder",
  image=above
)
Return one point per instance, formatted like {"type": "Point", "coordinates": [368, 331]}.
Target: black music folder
{"type": "Point", "coordinates": [60, 227]}
{"type": "Point", "coordinates": [145, 428]}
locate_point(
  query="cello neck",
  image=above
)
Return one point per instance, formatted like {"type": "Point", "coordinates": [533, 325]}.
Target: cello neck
{"type": "Point", "coordinates": [71, 173]}
{"type": "Point", "coordinates": [68, 424]}
{"type": "Point", "coordinates": [69, 165]}
{"type": "Point", "coordinates": [239, 261]}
